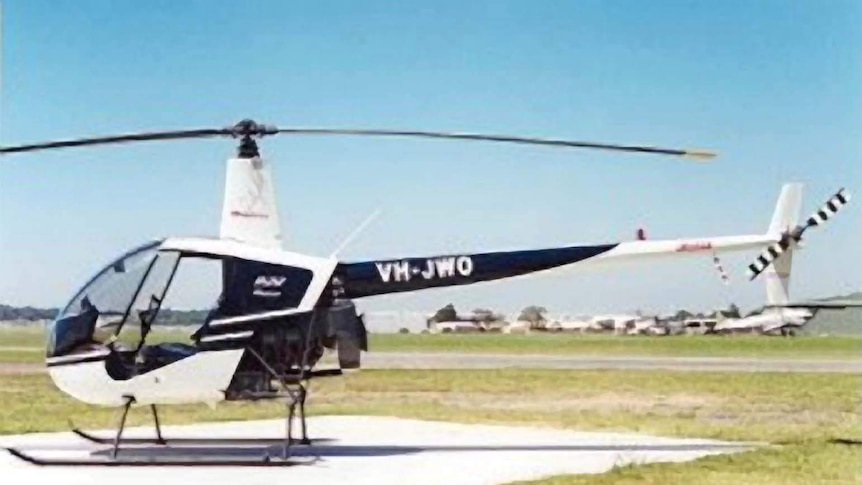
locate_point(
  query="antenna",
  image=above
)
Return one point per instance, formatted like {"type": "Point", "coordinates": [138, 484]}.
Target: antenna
{"type": "Point", "coordinates": [355, 232]}
{"type": "Point", "coordinates": [1, 69]}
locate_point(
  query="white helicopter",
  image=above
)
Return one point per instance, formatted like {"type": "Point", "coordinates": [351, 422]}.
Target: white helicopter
{"type": "Point", "coordinates": [280, 310]}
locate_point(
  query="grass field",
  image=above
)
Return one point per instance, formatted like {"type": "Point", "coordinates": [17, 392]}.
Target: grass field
{"type": "Point", "coordinates": [14, 341]}
{"type": "Point", "coordinates": [27, 345]}
{"type": "Point", "coordinates": [22, 356]}
{"type": "Point", "coordinates": [804, 414]}
{"type": "Point", "coordinates": [610, 345]}
{"type": "Point", "coordinates": [800, 412]}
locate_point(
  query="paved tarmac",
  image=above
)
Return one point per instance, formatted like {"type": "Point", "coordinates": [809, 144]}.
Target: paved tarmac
{"type": "Point", "coordinates": [11, 368]}
{"type": "Point", "coordinates": [359, 450]}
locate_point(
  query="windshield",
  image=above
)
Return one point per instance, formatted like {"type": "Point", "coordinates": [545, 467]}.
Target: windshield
{"type": "Point", "coordinates": [99, 309]}
{"type": "Point", "coordinates": [119, 306]}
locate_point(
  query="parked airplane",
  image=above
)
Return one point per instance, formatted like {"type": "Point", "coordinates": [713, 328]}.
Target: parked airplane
{"type": "Point", "coordinates": [781, 316]}
{"type": "Point", "coordinates": [783, 320]}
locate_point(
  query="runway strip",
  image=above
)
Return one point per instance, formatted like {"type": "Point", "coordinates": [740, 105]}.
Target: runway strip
{"type": "Point", "coordinates": [12, 368]}
{"type": "Point", "coordinates": [18, 348]}
{"type": "Point", "coordinates": [447, 360]}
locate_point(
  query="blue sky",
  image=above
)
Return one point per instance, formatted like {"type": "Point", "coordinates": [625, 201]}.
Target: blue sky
{"type": "Point", "coordinates": [774, 87]}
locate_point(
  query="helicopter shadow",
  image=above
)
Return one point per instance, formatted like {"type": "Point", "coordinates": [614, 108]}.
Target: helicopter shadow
{"type": "Point", "coordinates": [353, 451]}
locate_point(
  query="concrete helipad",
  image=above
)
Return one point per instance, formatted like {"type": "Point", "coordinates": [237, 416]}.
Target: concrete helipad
{"type": "Point", "coordinates": [368, 450]}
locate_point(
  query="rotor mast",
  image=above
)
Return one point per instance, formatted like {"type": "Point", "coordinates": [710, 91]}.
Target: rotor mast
{"type": "Point", "coordinates": [247, 131]}
{"type": "Point", "coordinates": [249, 209]}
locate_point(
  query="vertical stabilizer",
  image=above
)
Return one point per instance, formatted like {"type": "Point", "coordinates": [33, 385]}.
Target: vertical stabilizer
{"type": "Point", "coordinates": [249, 212]}
{"type": "Point", "coordinates": [784, 219]}
{"type": "Point", "coordinates": [787, 210]}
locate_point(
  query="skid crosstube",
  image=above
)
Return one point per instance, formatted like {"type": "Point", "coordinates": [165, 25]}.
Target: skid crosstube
{"type": "Point", "coordinates": [190, 441]}
{"type": "Point", "coordinates": [142, 462]}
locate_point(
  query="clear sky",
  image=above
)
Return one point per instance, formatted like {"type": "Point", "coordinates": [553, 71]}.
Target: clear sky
{"type": "Point", "coordinates": [774, 86]}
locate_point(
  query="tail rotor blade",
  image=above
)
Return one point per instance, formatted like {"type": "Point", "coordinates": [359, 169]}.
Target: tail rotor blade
{"type": "Point", "coordinates": [829, 209]}
{"type": "Point", "coordinates": [819, 218]}
{"type": "Point", "coordinates": [770, 254]}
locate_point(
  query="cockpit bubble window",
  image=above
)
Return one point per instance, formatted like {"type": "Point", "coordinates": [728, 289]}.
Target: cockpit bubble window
{"type": "Point", "coordinates": [121, 304]}
{"type": "Point", "coordinates": [148, 301]}
{"type": "Point", "coordinates": [97, 311]}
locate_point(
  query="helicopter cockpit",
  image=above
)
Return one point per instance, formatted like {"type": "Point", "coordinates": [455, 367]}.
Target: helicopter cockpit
{"type": "Point", "coordinates": [112, 316]}
{"type": "Point", "coordinates": [97, 313]}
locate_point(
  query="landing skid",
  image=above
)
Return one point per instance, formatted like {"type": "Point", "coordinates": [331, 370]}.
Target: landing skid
{"type": "Point", "coordinates": [191, 441]}
{"type": "Point", "coordinates": [198, 461]}
{"type": "Point", "coordinates": [162, 454]}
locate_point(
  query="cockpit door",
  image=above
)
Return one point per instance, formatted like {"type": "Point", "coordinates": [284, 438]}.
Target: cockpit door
{"type": "Point", "coordinates": [148, 300]}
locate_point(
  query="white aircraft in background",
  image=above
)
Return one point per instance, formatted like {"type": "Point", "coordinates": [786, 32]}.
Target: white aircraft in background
{"type": "Point", "coordinates": [781, 316]}
{"type": "Point", "coordinates": [772, 321]}
{"type": "Point", "coordinates": [783, 320]}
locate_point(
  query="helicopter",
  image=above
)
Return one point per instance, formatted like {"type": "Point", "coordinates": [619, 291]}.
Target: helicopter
{"type": "Point", "coordinates": [280, 311]}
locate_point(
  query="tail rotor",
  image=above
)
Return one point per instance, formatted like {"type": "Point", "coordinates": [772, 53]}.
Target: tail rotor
{"type": "Point", "coordinates": [792, 237]}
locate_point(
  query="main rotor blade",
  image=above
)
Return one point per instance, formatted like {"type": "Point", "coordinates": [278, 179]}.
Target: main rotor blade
{"type": "Point", "coordinates": [104, 140]}
{"type": "Point", "coordinates": [249, 128]}
{"type": "Point", "coordinates": [498, 138]}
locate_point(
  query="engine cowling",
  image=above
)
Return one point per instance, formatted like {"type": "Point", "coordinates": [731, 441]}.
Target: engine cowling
{"type": "Point", "coordinates": [347, 333]}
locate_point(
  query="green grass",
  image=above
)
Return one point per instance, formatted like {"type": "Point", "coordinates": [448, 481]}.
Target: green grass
{"type": "Point", "coordinates": [34, 356]}
{"type": "Point", "coordinates": [813, 347]}
{"type": "Point", "coordinates": [27, 345]}
{"type": "Point", "coordinates": [35, 337]}
{"type": "Point", "coordinates": [802, 413]}
{"type": "Point", "coordinates": [799, 412]}
{"type": "Point", "coordinates": [22, 337]}
{"type": "Point", "coordinates": [611, 345]}
{"type": "Point", "coordinates": [814, 463]}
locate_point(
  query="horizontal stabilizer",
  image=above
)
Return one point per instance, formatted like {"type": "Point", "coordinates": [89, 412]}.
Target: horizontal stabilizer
{"type": "Point", "coordinates": [833, 304]}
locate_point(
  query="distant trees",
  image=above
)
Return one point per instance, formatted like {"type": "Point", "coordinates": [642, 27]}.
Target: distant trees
{"type": "Point", "coordinates": [732, 311]}
{"type": "Point", "coordinates": [533, 314]}
{"type": "Point", "coordinates": [481, 317]}
{"type": "Point", "coordinates": [485, 315]}
{"type": "Point", "coordinates": [27, 313]}
{"type": "Point", "coordinates": [445, 314]}
{"type": "Point", "coordinates": [683, 315]}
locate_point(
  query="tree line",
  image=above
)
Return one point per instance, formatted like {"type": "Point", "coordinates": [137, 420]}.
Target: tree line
{"type": "Point", "coordinates": [8, 312]}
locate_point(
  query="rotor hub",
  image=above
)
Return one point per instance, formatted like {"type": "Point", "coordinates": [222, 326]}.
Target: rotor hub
{"type": "Point", "coordinates": [250, 128]}
{"type": "Point", "coordinates": [247, 130]}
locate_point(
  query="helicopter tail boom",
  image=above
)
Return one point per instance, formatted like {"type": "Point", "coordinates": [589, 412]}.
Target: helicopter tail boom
{"type": "Point", "coordinates": [368, 278]}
